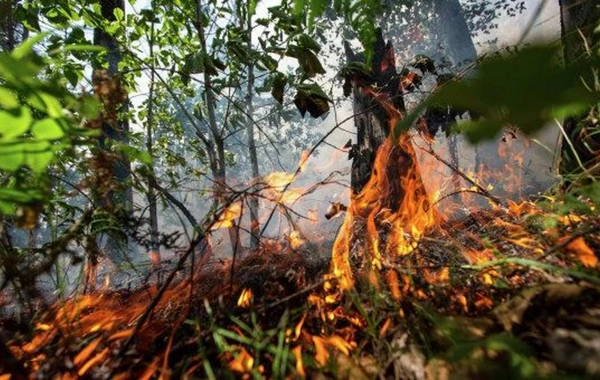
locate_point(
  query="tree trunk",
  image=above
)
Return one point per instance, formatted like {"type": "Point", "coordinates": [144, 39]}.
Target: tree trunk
{"type": "Point", "coordinates": [387, 189]}
{"type": "Point", "coordinates": [579, 20]}
{"type": "Point", "coordinates": [253, 200]}
{"type": "Point", "coordinates": [12, 33]}
{"type": "Point", "coordinates": [371, 119]}
{"type": "Point", "coordinates": [116, 130]}
{"type": "Point", "coordinates": [216, 152]}
{"type": "Point", "coordinates": [150, 193]}
{"type": "Point", "coordinates": [454, 33]}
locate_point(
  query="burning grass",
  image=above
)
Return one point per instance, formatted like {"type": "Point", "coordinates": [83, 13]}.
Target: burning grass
{"type": "Point", "coordinates": [510, 288]}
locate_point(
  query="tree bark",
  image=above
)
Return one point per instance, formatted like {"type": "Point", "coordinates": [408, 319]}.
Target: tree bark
{"type": "Point", "coordinates": [12, 33]}
{"type": "Point", "coordinates": [117, 131]}
{"type": "Point", "coordinates": [385, 179]}
{"type": "Point", "coordinates": [253, 201]}
{"type": "Point", "coordinates": [579, 18]}
{"type": "Point", "coordinates": [371, 119]}
{"type": "Point", "coordinates": [150, 194]}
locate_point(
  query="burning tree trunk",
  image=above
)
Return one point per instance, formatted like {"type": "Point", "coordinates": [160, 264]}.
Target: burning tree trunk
{"type": "Point", "coordinates": [371, 119]}
{"type": "Point", "coordinates": [390, 207]}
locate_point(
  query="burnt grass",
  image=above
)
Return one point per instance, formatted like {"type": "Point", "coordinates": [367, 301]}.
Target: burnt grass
{"type": "Point", "coordinates": [433, 313]}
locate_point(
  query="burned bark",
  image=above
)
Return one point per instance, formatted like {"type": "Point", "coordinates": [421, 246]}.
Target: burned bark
{"type": "Point", "coordinates": [389, 200]}
{"type": "Point", "coordinates": [371, 120]}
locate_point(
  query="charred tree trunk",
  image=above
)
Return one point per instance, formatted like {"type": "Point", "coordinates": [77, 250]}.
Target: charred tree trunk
{"type": "Point", "coordinates": [579, 19]}
{"type": "Point", "coordinates": [389, 200]}
{"type": "Point", "coordinates": [371, 119]}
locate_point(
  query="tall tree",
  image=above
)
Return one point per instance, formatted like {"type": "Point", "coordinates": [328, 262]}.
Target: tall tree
{"type": "Point", "coordinates": [114, 129]}
{"type": "Point", "coordinates": [11, 30]}
{"type": "Point", "coordinates": [454, 32]}
{"type": "Point", "coordinates": [150, 192]}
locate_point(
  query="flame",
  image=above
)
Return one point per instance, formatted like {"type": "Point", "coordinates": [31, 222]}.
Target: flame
{"type": "Point", "coordinates": [279, 180]}
{"type": "Point", "coordinates": [243, 362]}
{"type": "Point", "coordinates": [245, 299]}
{"type": "Point", "coordinates": [296, 240]}
{"type": "Point", "coordinates": [583, 252]}
{"type": "Point", "coordinates": [228, 217]}
{"type": "Point", "coordinates": [297, 352]}
{"type": "Point", "coordinates": [376, 205]}
{"type": "Point", "coordinates": [154, 257]}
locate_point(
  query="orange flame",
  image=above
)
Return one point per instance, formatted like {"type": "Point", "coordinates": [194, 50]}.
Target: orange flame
{"type": "Point", "coordinates": [245, 299]}
{"type": "Point", "coordinates": [228, 217]}
{"type": "Point", "coordinates": [375, 205]}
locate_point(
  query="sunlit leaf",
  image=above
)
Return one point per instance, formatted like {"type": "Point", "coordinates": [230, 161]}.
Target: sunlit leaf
{"type": "Point", "coordinates": [8, 99]}
{"type": "Point", "coordinates": [47, 129]}
{"type": "Point", "coordinates": [27, 46]}
{"type": "Point", "coordinates": [15, 122]}
{"type": "Point", "coordinates": [38, 155]}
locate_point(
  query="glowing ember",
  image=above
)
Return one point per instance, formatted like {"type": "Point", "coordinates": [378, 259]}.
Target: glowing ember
{"type": "Point", "coordinates": [245, 299]}
{"type": "Point", "coordinates": [296, 240]}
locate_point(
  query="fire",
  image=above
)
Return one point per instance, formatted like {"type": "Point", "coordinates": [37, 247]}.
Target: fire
{"type": "Point", "coordinates": [377, 207]}
{"type": "Point", "coordinates": [229, 216]}
{"type": "Point", "coordinates": [296, 240]}
{"type": "Point", "coordinates": [279, 180]}
{"type": "Point", "coordinates": [245, 299]}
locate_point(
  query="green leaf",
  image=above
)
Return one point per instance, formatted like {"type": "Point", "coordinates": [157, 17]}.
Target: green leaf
{"type": "Point", "coordinates": [136, 154]}
{"type": "Point", "coordinates": [479, 130]}
{"type": "Point", "coordinates": [309, 63]}
{"type": "Point", "coordinates": [19, 196]}
{"type": "Point", "coordinates": [311, 98]}
{"type": "Point", "coordinates": [47, 129]}
{"type": "Point", "coordinates": [90, 107]}
{"type": "Point", "coordinates": [84, 47]}
{"type": "Point", "coordinates": [252, 7]}
{"type": "Point", "coordinates": [268, 62]}
{"type": "Point", "coordinates": [46, 103]}
{"type": "Point", "coordinates": [305, 41]}
{"type": "Point", "coordinates": [11, 156]}
{"type": "Point", "coordinates": [15, 122]}
{"type": "Point", "coordinates": [26, 47]}
{"type": "Point", "coordinates": [119, 14]}
{"type": "Point", "coordinates": [299, 6]}
{"type": "Point", "coordinates": [38, 155]}
{"type": "Point", "coordinates": [8, 99]}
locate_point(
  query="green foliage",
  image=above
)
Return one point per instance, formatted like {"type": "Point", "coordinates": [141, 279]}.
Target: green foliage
{"type": "Point", "coordinates": [526, 89]}
{"type": "Point", "coordinates": [38, 119]}
{"type": "Point", "coordinates": [360, 15]}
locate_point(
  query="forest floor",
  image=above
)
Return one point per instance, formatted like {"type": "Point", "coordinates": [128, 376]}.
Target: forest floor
{"type": "Point", "coordinates": [511, 293]}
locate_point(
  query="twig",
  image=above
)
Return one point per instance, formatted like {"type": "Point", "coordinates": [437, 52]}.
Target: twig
{"type": "Point", "coordinates": [456, 170]}
{"type": "Point", "coordinates": [568, 241]}
{"type": "Point", "coordinates": [214, 217]}
{"type": "Point", "coordinates": [292, 296]}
